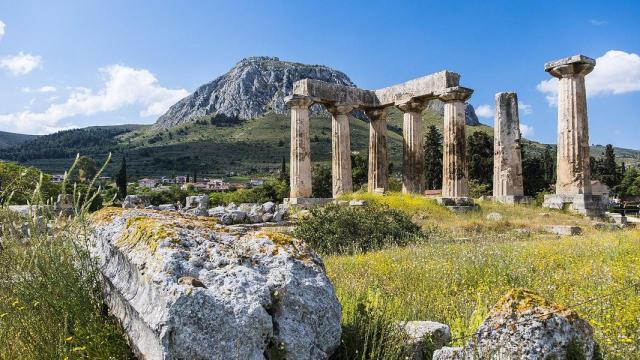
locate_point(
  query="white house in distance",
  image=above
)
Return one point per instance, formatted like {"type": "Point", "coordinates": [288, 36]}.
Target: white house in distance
{"type": "Point", "coordinates": [218, 185]}
{"type": "Point", "coordinates": [57, 178]}
{"type": "Point", "coordinates": [147, 183]}
{"type": "Point", "coordinates": [181, 179]}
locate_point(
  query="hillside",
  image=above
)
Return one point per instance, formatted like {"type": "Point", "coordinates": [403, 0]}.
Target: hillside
{"type": "Point", "coordinates": [245, 147]}
{"type": "Point", "coordinates": [8, 139]}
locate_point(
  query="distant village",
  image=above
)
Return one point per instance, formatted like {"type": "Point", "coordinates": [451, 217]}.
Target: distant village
{"type": "Point", "coordinates": [204, 185]}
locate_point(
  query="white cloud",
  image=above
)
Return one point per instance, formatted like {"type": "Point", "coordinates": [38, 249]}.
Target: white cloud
{"type": "Point", "coordinates": [616, 72]}
{"type": "Point", "coordinates": [484, 111]}
{"type": "Point", "coordinates": [526, 130]}
{"type": "Point", "coordinates": [2, 26]}
{"type": "Point", "coordinates": [21, 64]}
{"type": "Point", "coordinates": [124, 86]}
{"type": "Point", "coordinates": [596, 22]}
{"type": "Point", "coordinates": [525, 109]}
{"type": "Point", "coordinates": [42, 89]}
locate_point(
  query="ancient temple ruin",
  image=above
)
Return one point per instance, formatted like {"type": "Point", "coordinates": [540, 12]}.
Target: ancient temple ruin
{"type": "Point", "coordinates": [573, 185]}
{"type": "Point", "coordinates": [507, 153]}
{"type": "Point", "coordinates": [411, 98]}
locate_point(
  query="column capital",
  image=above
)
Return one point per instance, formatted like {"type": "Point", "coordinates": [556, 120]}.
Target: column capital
{"type": "Point", "coordinates": [412, 105]}
{"type": "Point", "coordinates": [339, 109]}
{"type": "Point", "coordinates": [298, 101]}
{"type": "Point", "coordinates": [456, 93]}
{"type": "Point", "coordinates": [376, 113]}
{"type": "Point", "coordinates": [571, 66]}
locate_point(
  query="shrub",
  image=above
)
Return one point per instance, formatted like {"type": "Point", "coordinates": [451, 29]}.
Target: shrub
{"type": "Point", "coordinates": [346, 229]}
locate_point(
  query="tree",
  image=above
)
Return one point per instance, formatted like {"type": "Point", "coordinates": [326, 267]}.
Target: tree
{"type": "Point", "coordinates": [283, 170]}
{"type": "Point", "coordinates": [322, 181]}
{"type": "Point", "coordinates": [610, 175]}
{"type": "Point", "coordinates": [630, 184]}
{"type": "Point", "coordinates": [533, 182]}
{"type": "Point", "coordinates": [548, 163]}
{"type": "Point", "coordinates": [360, 166]}
{"type": "Point", "coordinates": [480, 157]}
{"type": "Point", "coordinates": [433, 158]}
{"type": "Point", "coordinates": [84, 171]}
{"type": "Point", "coordinates": [121, 179]}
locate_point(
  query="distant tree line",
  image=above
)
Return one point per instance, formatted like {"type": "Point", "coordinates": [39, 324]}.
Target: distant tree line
{"type": "Point", "coordinates": [64, 144]}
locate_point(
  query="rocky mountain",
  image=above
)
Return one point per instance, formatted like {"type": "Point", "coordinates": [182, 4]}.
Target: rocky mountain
{"type": "Point", "coordinates": [254, 87]}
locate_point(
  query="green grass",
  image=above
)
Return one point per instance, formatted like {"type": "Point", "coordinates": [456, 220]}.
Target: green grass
{"type": "Point", "coordinates": [458, 277]}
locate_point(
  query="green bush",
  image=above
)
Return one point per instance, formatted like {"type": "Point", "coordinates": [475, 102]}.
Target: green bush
{"type": "Point", "coordinates": [336, 229]}
{"type": "Point", "coordinates": [273, 190]}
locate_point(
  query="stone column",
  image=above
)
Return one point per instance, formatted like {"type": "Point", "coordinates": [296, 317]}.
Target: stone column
{"type": "Point", "coordinates": [378, 163]}
{"type": "Point", "coordinates": [507, 155]}
{"type": "Point", "coordinates": [340, 149]}
{"type": "Point", "coordinates": [454, 164]}
{"type": "Point", "coordinates": [413, 179]}
{"type": "Point", "coordinates": [573, 170]}
{"type": "Point", "coordinates": [300, 162]}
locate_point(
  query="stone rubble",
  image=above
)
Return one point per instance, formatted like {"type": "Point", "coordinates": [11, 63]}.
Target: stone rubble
{"type": "Point", "coordinates": [424, 336]}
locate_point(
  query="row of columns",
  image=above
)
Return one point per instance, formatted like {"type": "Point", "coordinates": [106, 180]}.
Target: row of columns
{"type": "Point", "coordinates": [455, 182]}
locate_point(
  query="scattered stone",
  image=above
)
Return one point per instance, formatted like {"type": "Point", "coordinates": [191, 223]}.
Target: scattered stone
{"type": "Point", "coordinates": [619, 219]}
{"type": "Point", "coordinates": [568, 230]}
{"type": "Point", "coordinates": [425, 335]}
{"type": "Point", "coordinates": [523, 325]}
{"type": "Point", "coordinates": [135, 201]}
{"type": "Point", "coordinates": [255, 294]}
{"type": "Point", "coordinates": [238, 216]}
{"type": "Point", "coordinates": [523, 231]}
{"type": "Point", "coordinates": [379, 191]}
{"type": "Point", "coordinates": [231, 207]}
{"type": "Point", "coordinates": [197, 201]}
{"type": "Point", "coordinates": [268, 207]}
{"type": "Point", "coordinates": [494, 216]}
{"type": "Point", "coordinates": [357, 203]}
{"type": "Point", "coordinates": [267, 217]}
{"type": "Point", "coordinates": [167, 207]}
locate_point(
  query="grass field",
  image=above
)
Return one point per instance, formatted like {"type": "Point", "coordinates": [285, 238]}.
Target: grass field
{"type": "Point", "coordinates": [458, 275]}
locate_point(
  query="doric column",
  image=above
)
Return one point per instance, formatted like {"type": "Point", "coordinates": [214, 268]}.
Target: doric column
{"type": "Point", "coordinates": [454, 163]}
{"type": "Point", "coordinates": [300, 162]}
{"type": "Point", "coordinates": [573, 173]}
{"type": "Point", "coordinates": [412, 146]}
{"type": "Point", "coordinates": [507, 156]}
{"type": "Point", "coordinates": [378, 164]}
{"type": "Point", "coordinates": [340, 149]}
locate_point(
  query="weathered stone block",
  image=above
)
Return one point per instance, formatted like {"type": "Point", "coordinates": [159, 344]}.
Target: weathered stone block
{"type": "Point", "coordinates": [568, 230]}
{"type": "Point", "coordinates": [184, 290]}
{"type": "Point", "coordinates": [425, 335]}
{"type": "Point", "coordinates": [523, 325]}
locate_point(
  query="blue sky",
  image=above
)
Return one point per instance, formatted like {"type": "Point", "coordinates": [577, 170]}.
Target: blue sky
{"type": "Point", "coordinates": [81, 63]}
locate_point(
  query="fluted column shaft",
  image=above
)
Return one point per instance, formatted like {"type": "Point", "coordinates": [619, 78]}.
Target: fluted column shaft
{"type": "Point", "coordinates": [507, 154]}
{"type": "Point", "coordinates": [413, 177]}
{"type": "Point", "coordinates": [454, 163]}
{"type": "Point", "coordinates": [378, 161]}
{"type": "Point", "coordinates": [300, 162]}
{"type": "Point", "coordinates": [573, 172]}
{"type": "Point", "coordinates": [340, 150]}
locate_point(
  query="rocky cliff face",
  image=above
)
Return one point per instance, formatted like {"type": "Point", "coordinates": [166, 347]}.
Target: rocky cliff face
{"type": "Point", "coordinates": [469, 111]}
{"type": "Point", "coordinates": [255, 86]}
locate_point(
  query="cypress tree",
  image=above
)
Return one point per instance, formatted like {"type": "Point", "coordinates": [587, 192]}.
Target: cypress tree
{"type": "Point", "coordinates": [121, 179]}
{"type": "Point", "coordinates": [432, 158]}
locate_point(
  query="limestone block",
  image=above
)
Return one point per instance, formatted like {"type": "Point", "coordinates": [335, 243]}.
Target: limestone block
{"type": "Point", "coordinates": [135, 201]}
{"type": "Point", "coordinates": [184, 290]}
{"type": "Point", "coordinates": [493, 216]}
{"type": "Point", "coordinates": [424, 335]}
{"type": "Point", "coordinates": [167, 207]}
{"type": "Point", "coordinates": [523, 325]}
{"type": "Point", "coordinates": [197, 202]}
{"type": "Point", "coordinates": [565, 230]}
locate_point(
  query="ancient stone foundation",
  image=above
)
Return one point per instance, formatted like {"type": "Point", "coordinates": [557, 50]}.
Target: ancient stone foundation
{"type": "Point", "coordinates": [573, 185]}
